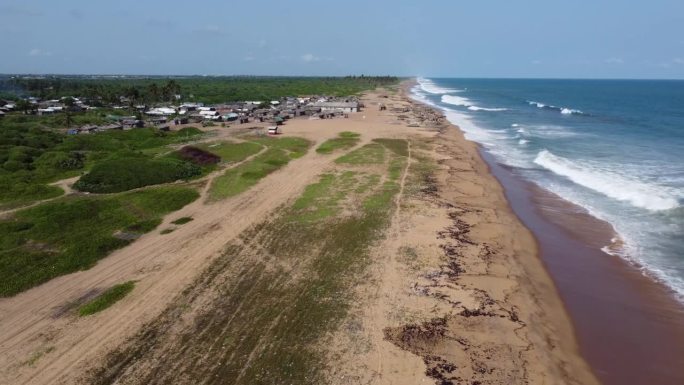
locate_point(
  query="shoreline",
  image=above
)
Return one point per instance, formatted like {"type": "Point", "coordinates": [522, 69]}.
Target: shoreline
{"type": "Point", "coordinates": [627, 325]}
{"type": "Point", "coordinates": [468, 182]}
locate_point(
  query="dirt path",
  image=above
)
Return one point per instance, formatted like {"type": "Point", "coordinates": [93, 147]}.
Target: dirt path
{"type": "Point", "coordinates": [450, 291]}
{"type": "Point", "coordinates": [64, 184]}
{"type": "Point", "coordinates": [34, 322]}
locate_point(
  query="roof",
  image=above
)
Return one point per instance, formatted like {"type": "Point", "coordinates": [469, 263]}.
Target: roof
{"type": "Point", "coordinates": [337, 104]}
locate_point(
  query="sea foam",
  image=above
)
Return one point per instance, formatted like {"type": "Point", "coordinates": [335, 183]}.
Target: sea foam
{"type": "Point", "coordinates": [456, 100]}
{"type": "Point", "coordinates": [430, 87]}
{"type": "Point", "coordinates": [611, 184]}
{"type": "Point", "coordinates": [476, 108]}
{"type": "Point", "coordinates": [562, 110]}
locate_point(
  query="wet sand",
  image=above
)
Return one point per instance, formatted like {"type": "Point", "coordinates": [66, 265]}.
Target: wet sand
{"type": "Point", "coordinates": [630, 329]}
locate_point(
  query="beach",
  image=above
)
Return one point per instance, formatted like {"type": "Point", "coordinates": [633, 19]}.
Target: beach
{"type": "Point", "coordinates": [450, 290]}
{"type": "Point", "coordinates": [626, 314]}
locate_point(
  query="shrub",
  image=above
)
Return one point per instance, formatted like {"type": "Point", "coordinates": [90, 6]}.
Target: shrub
{"type": "Point", "coordinates": [124, 174]}
{"type": "Point", "coordinates": [106, 299]}
{"type": "Point", "coordinates": [198, 156]}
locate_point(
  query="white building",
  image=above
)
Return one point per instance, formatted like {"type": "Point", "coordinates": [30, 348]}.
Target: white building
{"type": "Point", "coordinates": [346, 107]}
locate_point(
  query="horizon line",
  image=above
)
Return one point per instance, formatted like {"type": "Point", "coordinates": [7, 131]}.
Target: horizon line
{"type": "Point", "coordinates": [337, 76]}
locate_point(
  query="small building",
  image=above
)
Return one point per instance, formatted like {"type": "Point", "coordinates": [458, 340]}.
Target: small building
{"type": "Point", "coordinates": [132, 123]}
{"type": "Point", "coordinates": [346, 107]}
{"type": "Point", "coordinates": [111, 126]}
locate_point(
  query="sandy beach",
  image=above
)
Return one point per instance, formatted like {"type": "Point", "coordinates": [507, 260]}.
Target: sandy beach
{"type": "Point", "coordinates": [452, 290]}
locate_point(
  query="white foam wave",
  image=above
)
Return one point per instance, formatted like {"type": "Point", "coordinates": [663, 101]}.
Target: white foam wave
{"type": "Point", "coordinates": [515, 125]}
{"type": "Point", "coordinates": [476, 108]}
{"type": "Point", "coordinates": [429, 86]}
{"type": "Point", "coordinates": [456, 100]}
{"type": "Point", "coordinates": [562, 110]}
{"type": "Point", "coordinates": [523, 142]}
{"type": "Point", "coordinates": [569, 111]}
{"type": "Point", "coordinates": [539, 105]}
{"type": "Point", "coordinates": [611, 184]}
{"type": "Point", "coordinates": [548, 131]}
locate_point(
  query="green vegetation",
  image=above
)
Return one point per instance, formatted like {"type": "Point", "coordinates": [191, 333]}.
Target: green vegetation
{"type": "Point", "coordinates": [238, 179]}
{"type": "Point", "coordinates": [182, 220]}
{"type": "Point", "coordinates": [125, 174]}
{"type": "Point", "coordinates": [38, 355]}
{"type": "Point", "coordinates": [73, 233]}
{"type": "Point", "coordinates": [344, 141]}
{"type": "Point", "coordinates": [207, 89]}
{"type": "Point", "coordinates": [372, 153]}
{"type": "Point", "coordinates": [166, 231]}
{"type": "Point", "coordinates": [287, 284]}
{"type": "Point", "coordinates": [232, 152]}
{"type": "Point", "coordinates": [31, 156]}
{"type": "Point", "coordinates": [106, 299]}
{"type": "Point", "coordinates": [325, 198]}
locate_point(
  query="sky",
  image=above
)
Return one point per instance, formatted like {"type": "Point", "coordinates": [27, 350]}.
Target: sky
{"type": "Point", "coordinates": [434, 38]}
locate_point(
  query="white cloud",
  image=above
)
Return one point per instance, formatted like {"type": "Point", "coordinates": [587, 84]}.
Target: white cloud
{"type": "Point", "coordinates": [39, 52]}
{"type": "Point", "coordinates": [309, 57]}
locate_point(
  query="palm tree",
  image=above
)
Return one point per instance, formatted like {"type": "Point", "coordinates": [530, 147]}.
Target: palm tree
{"type": "Point", "coordinates": [24, 105]}
{"type": "Point", "coordinates": [153, 92]}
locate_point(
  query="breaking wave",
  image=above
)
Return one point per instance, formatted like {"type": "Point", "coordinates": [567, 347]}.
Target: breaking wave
{"type": "Point", "coordinates": [476, 108]}
{"type": "Point", "coordinates": [456, 100]}
{"type": "Point", "coordinates": [562, 110]}
{"type": "Point", "coordinates": [611, 184]}
{"type": "Point", "coordinates": [465, 102]}
{"type": "Point", "coordinates": [430, 87]}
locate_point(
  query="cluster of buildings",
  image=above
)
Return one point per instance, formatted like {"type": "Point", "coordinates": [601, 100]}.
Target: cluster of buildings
{"type": "Point", "coordinates": [275, 111]}
{"type": "Point", "coordinates": [272, 111]}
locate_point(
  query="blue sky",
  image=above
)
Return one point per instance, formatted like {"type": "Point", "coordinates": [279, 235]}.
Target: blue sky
{"type": "Point", "coordinates": [486, 38]}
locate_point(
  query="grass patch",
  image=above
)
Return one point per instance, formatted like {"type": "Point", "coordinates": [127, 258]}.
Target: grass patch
{"type": "Point", "coordinates": [32, 156]}
{"type": "Point", "coordinates": [106, 299]}
{"type": "Point", "coordinates": [397, 146]}
{"type": "Point", "coordinates": [38, 355]}
{"type": "Point", "coordinates": [238, 179]}
{"type": "Point", "coordinates": [345, 140]}
{"type": "Point", "coordinates": [323, 199]}
{"type": "Point", "coordinates": [182, 220]}
{"type": "Point", "coordinates": [286, 284]}
{"type": "Point", "coordinates": [294, 147]}
{"type": "Point", "coordinates": [73, 233]}
{"type": "Point", "coordinates": [232, 152]}
{"type": "Point", "coordinates": [166, 231]}
{"type": "Point", "coordinates": [372, 153]}
{"type": "Point", "coordinates": [124, 174]}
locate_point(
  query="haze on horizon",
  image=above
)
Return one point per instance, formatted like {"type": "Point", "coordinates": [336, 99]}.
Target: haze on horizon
{"type": "Point", "coordinates": [530, 38]}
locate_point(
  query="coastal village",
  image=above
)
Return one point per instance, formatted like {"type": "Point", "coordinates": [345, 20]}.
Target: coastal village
{"type": "Point", "coordinates": [166, 115]}
{"type": "Point", "coordinates": [163, 116]}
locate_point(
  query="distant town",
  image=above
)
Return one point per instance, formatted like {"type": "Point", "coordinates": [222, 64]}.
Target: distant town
{"type": "Point", "coordinates": [161, 116]}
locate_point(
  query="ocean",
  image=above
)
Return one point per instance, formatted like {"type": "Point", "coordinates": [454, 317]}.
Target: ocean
{"type": "Point", "coordinates": [612, 147]}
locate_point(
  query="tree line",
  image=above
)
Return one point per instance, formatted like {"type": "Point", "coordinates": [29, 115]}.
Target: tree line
{"type": "Point", "coordinates": [207, 89]}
